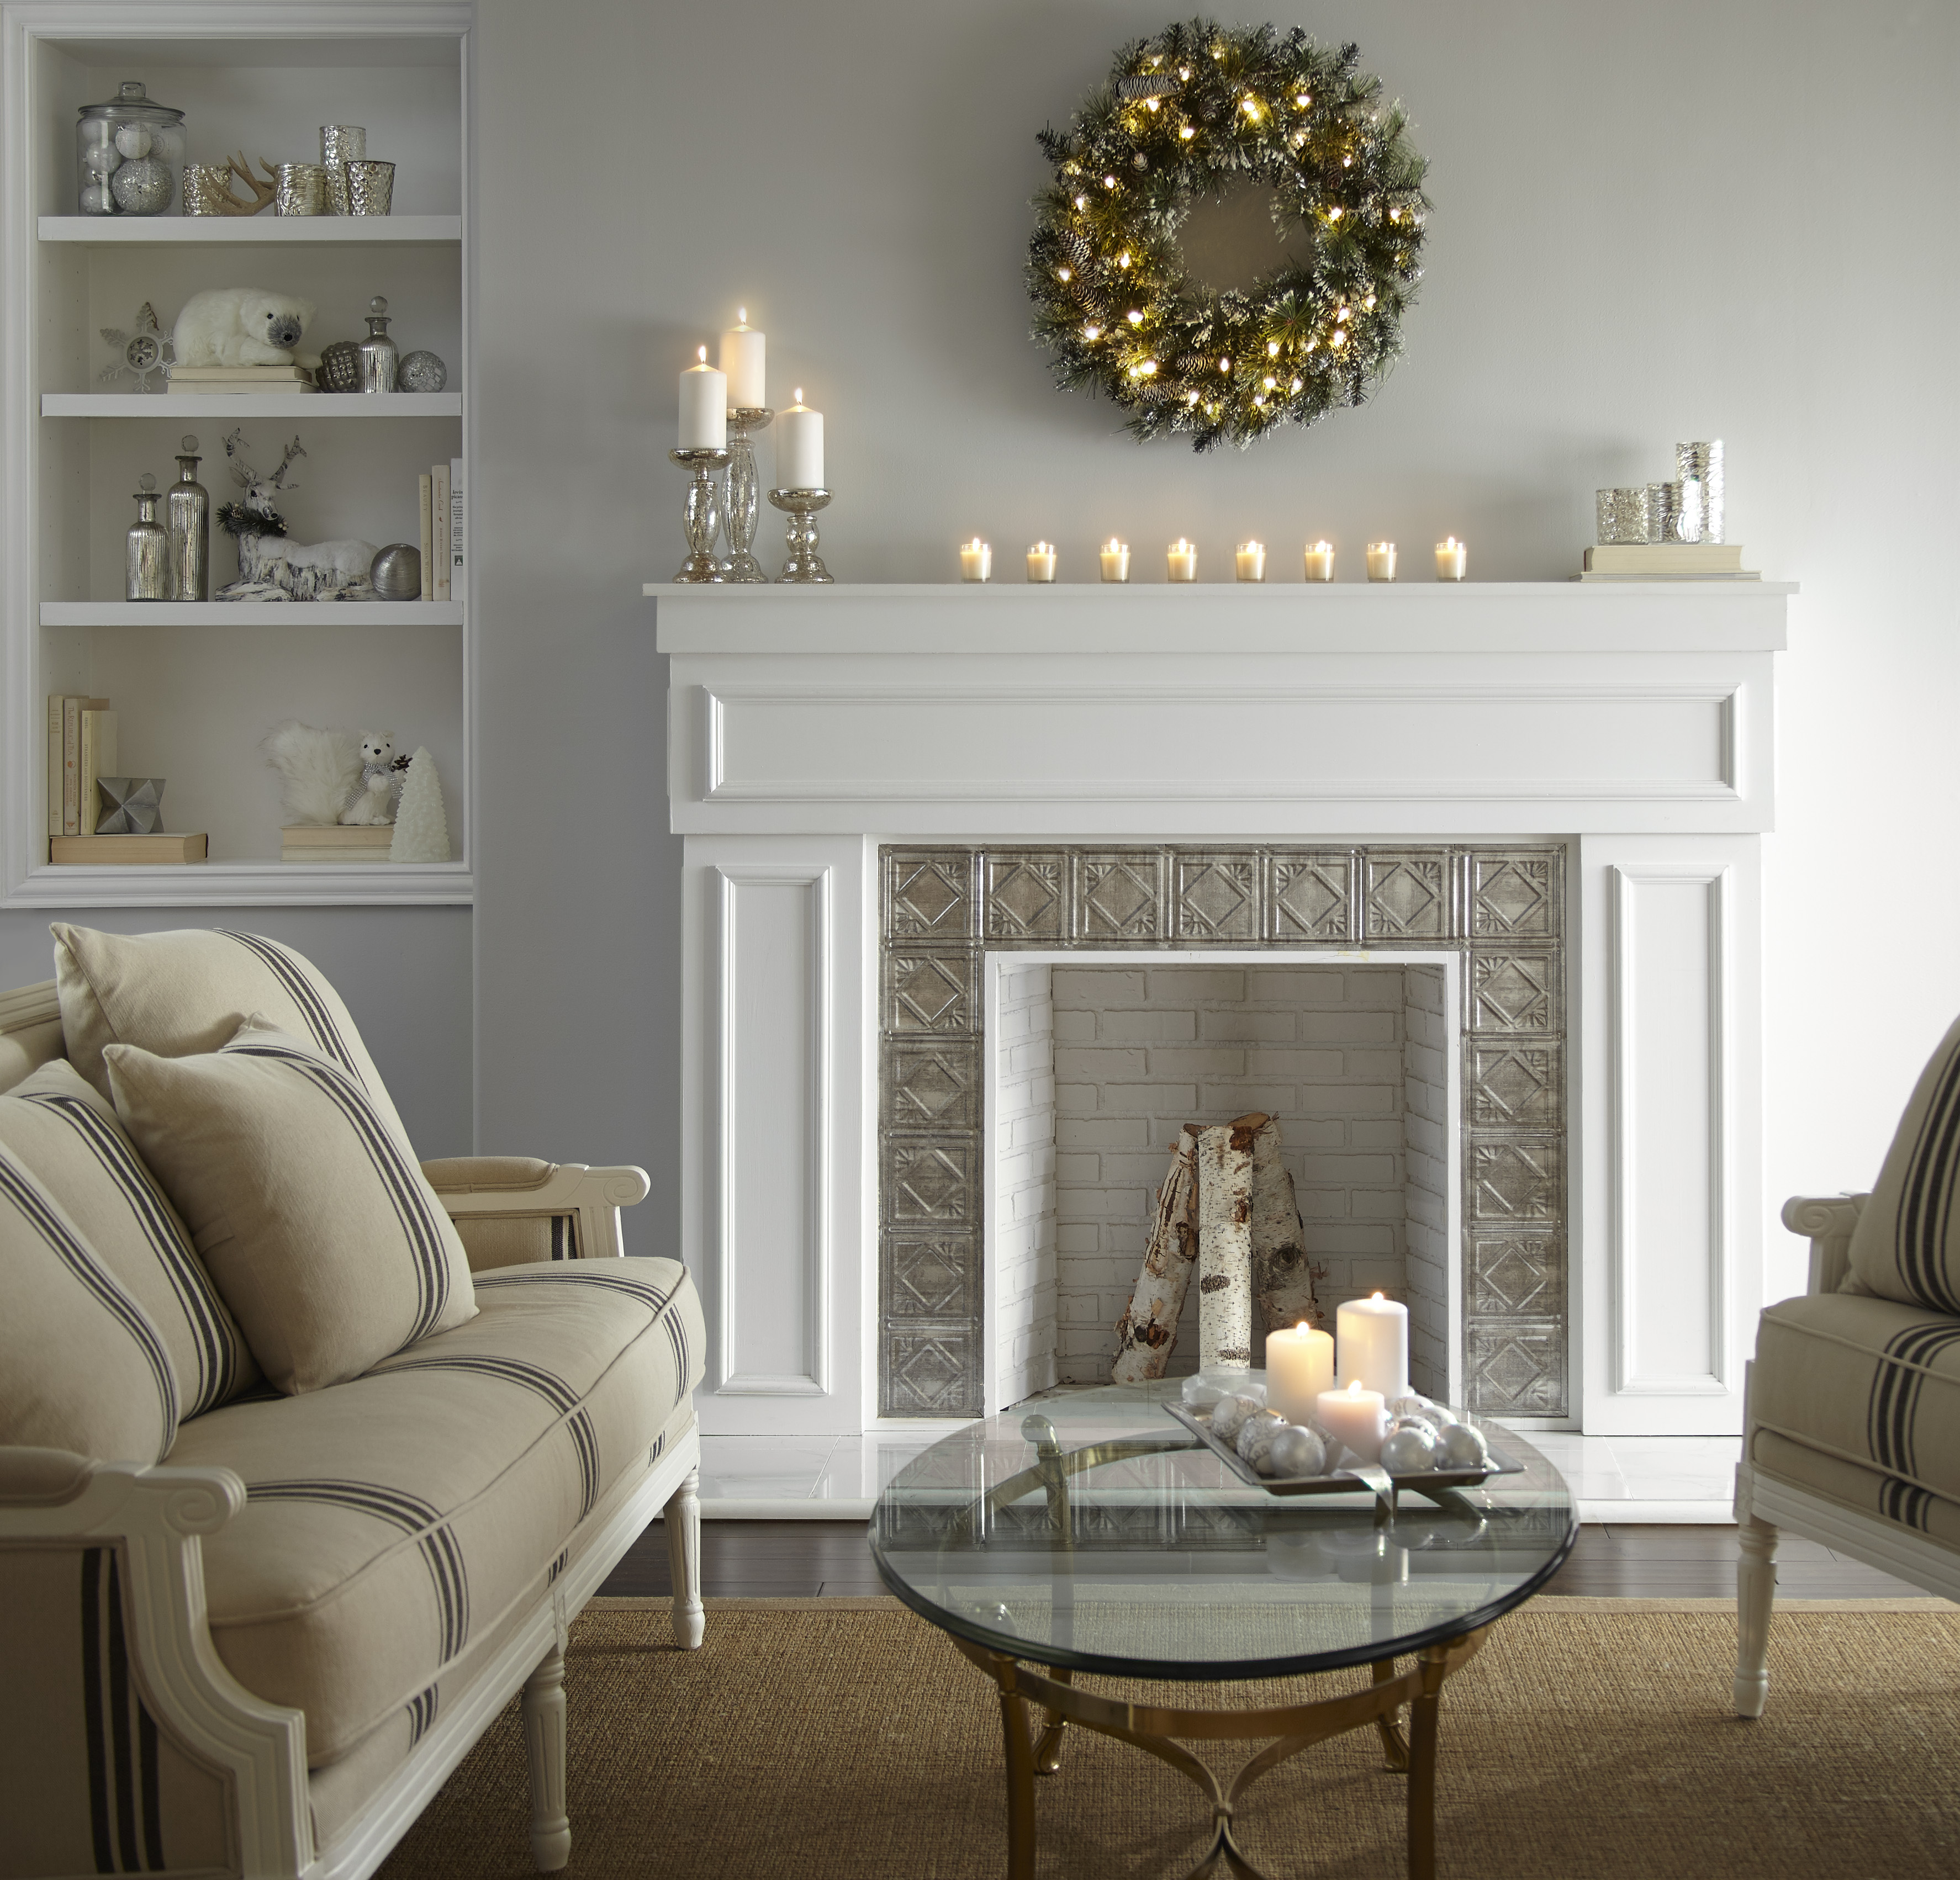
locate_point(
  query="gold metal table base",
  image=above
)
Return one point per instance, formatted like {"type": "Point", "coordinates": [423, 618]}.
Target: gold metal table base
{"type": "Point", "coordinates": [1153, 1729]}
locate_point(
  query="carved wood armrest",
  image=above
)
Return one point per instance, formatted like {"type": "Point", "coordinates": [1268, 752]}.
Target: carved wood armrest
{"type": "Point", "coordinates": [515, 1187]}
{"type": "Point", "coordinates": [1829, 1221]}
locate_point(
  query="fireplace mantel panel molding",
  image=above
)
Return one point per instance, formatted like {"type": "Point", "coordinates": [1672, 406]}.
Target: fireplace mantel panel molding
{"type": "Point", "coordinates": [1634, 722]}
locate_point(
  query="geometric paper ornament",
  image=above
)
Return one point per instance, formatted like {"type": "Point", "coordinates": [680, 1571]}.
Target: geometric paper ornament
{"type": "Point", "coordinates": [130, 805]}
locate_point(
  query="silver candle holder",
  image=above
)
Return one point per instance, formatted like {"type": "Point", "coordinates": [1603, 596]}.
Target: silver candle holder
{"type": "Point", "coordinates": [702, 517]}
{"type": "Point", "coordinates": [803, 565]}
{"type": "Point", "coordinates": [744, 490]}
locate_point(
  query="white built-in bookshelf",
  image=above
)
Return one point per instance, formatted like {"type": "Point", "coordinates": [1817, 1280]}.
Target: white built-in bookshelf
{"type": "Point", "coordinates": [196, 686]}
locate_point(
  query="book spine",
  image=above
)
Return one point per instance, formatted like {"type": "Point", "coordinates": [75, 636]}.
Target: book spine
{"type": "Point", "coordinates": [71, 765]}
{"type": "Point", "coordinates": [54, 763]}
{"type": "Point", "coordinates": [426, 544]}
{"type": "Point", "coordinates": [439, 527]}
{"type": "Point", "coordinates": [98, 759]}
{"type": "Point", "coordinates": [456, 564]}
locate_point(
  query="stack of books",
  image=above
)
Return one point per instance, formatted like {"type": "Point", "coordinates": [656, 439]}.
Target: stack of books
{"type": "Point", "coordinates": [439, 497]}
{"type": "Point", "coordinates": [1667, 561]}
{"type": "Point", "coordinates": [336, 842]}
{"type": "Point", "coordinates": [196, 381]}
{"type": "Point", "coordinates": [82, 749]}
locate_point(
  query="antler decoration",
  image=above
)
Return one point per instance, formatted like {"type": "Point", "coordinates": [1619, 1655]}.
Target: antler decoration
{"type": "Point", "coordinates": [240, 171]}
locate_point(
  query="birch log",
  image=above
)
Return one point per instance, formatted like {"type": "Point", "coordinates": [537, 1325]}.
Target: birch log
{"type": "Point", "coordinates": [1225, 1244]}
{"type": "Point", "coordinates": [1147, 1333]}
{"type": "Point", "coordinates": [1283, 1276]}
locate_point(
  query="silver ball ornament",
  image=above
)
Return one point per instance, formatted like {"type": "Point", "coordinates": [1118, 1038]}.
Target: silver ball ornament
{"type": "Point", "coordinates": [1255, 1442]}
{"type": "Point", "coordinates": [1408, 1449]}
{"type": "Point", "coordinates": [1229, 1414]}
{"type": "Point", "coordinates": [100, 159]}
{"type": "Point", "coordinates": [1298, 1451]}
{"type": "Point", "coordinates": [132, 140]}
{"type": "Point", "coordinates": [1462, 1446]}
{"type": "Point", "coordinates": [96, 200]}
{"type": "Point", "coordinates": [1411, 1421]}
{"type": "Point", "coordinates": [142, 187]}
{"type": "Point", "coordinates": [396, 572]}
{"type": "Point", "coordinates": [421, 372]}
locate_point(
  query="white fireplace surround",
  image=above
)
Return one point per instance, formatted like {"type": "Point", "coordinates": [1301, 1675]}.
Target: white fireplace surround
{"type": "Point", "coordinates": [1633, 722]}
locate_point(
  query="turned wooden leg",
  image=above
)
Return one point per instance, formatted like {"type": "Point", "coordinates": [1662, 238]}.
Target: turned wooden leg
{"type": "Point", "coordinates": [683, 1518]}
{"type": "Point", "coordinates": [544, 1744]}
{"type": "Point", "coordinates": [1755, 1593]}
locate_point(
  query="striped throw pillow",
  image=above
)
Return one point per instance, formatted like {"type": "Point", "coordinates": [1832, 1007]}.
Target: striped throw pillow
{"type": "Point", "coordinates": [186, 991]}
{"type": "Point", "coordinates": [1907, 1245]}
{"type": "Point", "coordinates": [81, 1366]}
{"type": "Point", "coordinates": [57, 1127]}
{"type": "Point", "coordinates": [311, 1216]}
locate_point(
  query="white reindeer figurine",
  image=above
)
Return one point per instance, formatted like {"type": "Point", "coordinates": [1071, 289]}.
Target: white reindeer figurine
{"type": "Point", "coordinates": [271, 567]}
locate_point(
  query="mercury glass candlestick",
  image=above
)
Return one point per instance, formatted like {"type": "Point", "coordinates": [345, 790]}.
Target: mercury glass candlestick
{"type": "Point", "coordinates": [702, 517]}
{"type": "Point", "coordinates": [745, 492]}
{"type": "Point", "coordinates": [803, 564]}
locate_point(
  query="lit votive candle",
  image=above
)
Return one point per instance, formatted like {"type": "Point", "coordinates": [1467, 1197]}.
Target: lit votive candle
{"type": "Point", "coordinates": [1452, 558]}
{"type": "Point", "coordinates": [1250, 559]}
{"type": "Point", "coordinates": [1183, 560]}
{"type": "Point", "coordinates": [1374, 1344]}
{"type": "Point", "coordinates": [1115, 557]}
{"type": "Point", "coordinates": [1300, 1365]}
{"type": "Point", "coordinates": [976, 560]}
{"type": "Point", "coordinates": [1355, 1417]}
{"type": "Point", "coordinates": [1040, 562]}
{"type": "Point", "coordinates": [1320, 561]}
{"type": "Point", "coordinates": [1381, 560]}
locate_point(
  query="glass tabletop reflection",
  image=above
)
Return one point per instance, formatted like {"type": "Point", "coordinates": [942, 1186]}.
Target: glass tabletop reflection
{"type": "Point", "coordinates": [1090, 1531]}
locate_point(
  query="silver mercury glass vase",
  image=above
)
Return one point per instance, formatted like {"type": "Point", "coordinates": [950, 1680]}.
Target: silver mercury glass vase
{"type": "Point", "coordinates": [702, 517]}
{"type": "Point", "coordinates": [147, 562]}
{"type": "Point", "coordinates": [187, 514]}
{"type": "Point", "coordinates": [378, 358]}
{"type": "Point", "coordinates": [802, 566]}
{"type": "Point", "coordinates": [745, 492]}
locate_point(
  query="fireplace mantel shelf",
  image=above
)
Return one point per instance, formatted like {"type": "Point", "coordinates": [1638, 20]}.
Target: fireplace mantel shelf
{"type": "Point", "coordinates": [1477, 617]}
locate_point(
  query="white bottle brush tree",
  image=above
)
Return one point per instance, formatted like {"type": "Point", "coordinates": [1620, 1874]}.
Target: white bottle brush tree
{"type": "Point", "coordinates": [422, 828]}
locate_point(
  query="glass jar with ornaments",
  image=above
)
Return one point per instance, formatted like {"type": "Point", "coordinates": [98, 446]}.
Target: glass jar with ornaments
{"type": "Point", "coordinates": [129, 153]}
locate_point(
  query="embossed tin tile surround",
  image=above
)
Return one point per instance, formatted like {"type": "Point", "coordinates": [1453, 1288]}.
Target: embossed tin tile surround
{"type": "Point", "coordinates": [1501, 907]}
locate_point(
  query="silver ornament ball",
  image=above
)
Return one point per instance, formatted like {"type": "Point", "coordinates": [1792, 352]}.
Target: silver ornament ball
{"type": "Point", "coordinates": [1255, 1444]}
{"type": "Point", "coordinates": [1463, 1447]}
{"type": "Point", "coordinates": [132, 140]}
{"type": "Point", "coordinates": [1408, 1449]}
{"type": "Point", "coordinates": [1298, 1451]}
{"type": "Point", "coordinates": [142, 187]}
{"type": "Point", "coordinates": [1229, 1414]}
{"type": "Point", "coordinates": [421, 372]}
{"type": "Point", "coordinates": [396, 572]}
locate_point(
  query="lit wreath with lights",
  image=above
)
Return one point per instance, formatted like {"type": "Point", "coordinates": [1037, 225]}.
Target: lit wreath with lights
{"type": "Point", "coordinates": [1185, 115]}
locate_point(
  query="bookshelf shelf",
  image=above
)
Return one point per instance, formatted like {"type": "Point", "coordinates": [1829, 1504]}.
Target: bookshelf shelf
{"type": "Point", "coordinates": [247, 884]}
{"type": "Point", "coordinates": [251, 613]}
{"type": "Point", "coordinates": [105, 231]}
{"type": "Point", "coordinates": [208, 405]}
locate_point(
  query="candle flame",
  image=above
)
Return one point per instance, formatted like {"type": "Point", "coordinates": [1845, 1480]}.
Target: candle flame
{"type": "Point", "coordinates": [1301, 1328]}
{"type": "Point", "coordinates": [1112, 546]}
{"type": "Point", "coordinates": [799, 394]}
{"type": "Point", "coordinates": [1374, 1294]}
{"type": "Point", "coordinates": [701, 352]}
{"type": "Point", "coordinates": [1354, 1384]}
{"type": "Point", "coordinates": [742, 316]}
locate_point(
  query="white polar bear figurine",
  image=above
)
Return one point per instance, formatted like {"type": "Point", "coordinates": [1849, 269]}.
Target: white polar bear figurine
{"type": "Point", "coordinates": [380, 786]}
{"type": "Point", "coordinates": [242, 326]}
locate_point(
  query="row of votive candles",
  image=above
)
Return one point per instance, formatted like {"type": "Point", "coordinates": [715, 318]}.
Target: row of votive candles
{"type": "Point", "coordinates": [976, 560]}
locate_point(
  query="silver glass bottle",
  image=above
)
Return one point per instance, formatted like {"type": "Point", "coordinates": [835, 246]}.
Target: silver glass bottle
{"type": "Point", "coordinates": [379, 357]}
{"type": "Point", "coordinates": [189, 514]}
{"type": "Point", "coordinates": [147, 566]}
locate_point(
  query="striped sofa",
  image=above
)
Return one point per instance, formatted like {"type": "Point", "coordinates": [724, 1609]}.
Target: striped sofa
{"type": "Point", "coordinates": [262, 1656]}
{"type": "Point", "coordinates": [1852, 1406]}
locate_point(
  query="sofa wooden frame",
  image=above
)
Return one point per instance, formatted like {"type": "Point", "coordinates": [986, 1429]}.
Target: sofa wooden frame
{"type": "Point", "coordinates": [157, 1519]}
{"type": "Point", "coordinates": [1768, 1507]}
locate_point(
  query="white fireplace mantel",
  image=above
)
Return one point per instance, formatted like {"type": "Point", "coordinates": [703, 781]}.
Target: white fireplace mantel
{"type": "Point", "coordinates": [1634, 722]}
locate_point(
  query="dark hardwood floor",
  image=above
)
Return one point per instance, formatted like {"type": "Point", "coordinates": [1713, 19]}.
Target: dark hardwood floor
{"type": "Point", "coordinates": [807, 1559]}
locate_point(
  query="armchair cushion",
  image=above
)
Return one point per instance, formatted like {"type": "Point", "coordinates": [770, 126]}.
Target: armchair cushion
{"type": "Point", "coordinates": [61, 1130]}
{"type": "Point", "coordinates": [175, 994]}
{"type": "Point", "coordinates": [392, 1524]}
{"type": "Point", "coordinates": [1907, 1244]}
{"type": "Point", "coordinates": [81, 1367]}
{"type": "Point", "coordinates": [1858, 1398]}
{"type": "Point", "coordinates": [316, 1225]}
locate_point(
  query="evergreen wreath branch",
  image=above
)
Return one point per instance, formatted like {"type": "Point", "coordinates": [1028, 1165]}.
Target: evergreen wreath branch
{"type": "Point", "coordinates": [1185, 115]}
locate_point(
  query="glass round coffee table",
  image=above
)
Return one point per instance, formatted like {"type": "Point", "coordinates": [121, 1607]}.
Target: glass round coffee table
{"type": "Point", "coordinates": [1092, 1532]}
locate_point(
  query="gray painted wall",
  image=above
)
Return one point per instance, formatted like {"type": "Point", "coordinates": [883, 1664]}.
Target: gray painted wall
{"type": "Point", "coordinates": [1671, 222]}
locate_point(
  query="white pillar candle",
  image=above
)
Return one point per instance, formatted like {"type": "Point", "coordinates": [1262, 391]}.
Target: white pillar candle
{"type": "Point", "coordinates": [799, 446]}
{"type": "Point", "coordinates": [1355, 1418]}
{"type": "Point", "coordinates": [1040, 562]}
{"type": "Point", "coordinates": [703, 407]}
{"type": "Point", "coordinates": [1374, 1344]}
{"type": "Point", "coordinates": [1250, 558]}
{"type": "Point", "coordinates": [1115, 558]}
{"type": "Point", "coordinates": [743, 354]}
{"type": "Point", "coordinates": [1452, 558]}
{"type": "Point", "coordinates": [1299, 1366]}
{"type": "Point", "coordinates": [1183, 560]}
{"type": "Point", "coordinates": [1320, 561]}
{"type": "Point", "coordinates": [1381, 560]}
{"type": "Point", "coordinates": [976, 560]}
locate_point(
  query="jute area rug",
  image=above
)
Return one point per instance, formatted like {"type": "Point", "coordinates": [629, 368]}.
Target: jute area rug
{"type": "Point", "coordinates": [1589, 1737]}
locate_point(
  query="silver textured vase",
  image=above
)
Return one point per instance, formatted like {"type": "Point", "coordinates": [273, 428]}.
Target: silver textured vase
{"type": "Point", "coordinates": [147, 565]}
{"type": "Point", "coordinates": [187, 514]}
{"type": "Point", "coordinates": [396, 572]}
{"type": "Point", "coordinates": [378, 357]}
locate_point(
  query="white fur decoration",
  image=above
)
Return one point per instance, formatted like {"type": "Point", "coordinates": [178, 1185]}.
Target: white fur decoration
{"type": "Point", "coordinates": [275, 567]}
{"type": "Point", "coordinates": [319, 771]}
{"type": "Point", "coordinates": [380, 783]}
{"type": "Point", "coordinates": [242, 326]}
{"type": "Point", "coordinates": [422, 828]}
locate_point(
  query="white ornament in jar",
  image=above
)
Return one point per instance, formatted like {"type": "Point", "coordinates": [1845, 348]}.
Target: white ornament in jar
{"type": "Point", "coordinates": [132, 140]}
